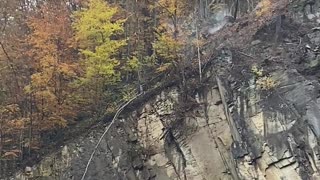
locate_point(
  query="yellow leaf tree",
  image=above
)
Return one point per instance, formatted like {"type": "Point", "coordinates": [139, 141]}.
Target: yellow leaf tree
{"type": "Point", "coordinates": [171, 35]}
{"type": "Point", "coordinates": [98, 33]}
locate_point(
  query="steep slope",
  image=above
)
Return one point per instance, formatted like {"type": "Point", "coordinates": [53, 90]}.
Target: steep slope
{"type": "Point", "coordinates": [255, 116]}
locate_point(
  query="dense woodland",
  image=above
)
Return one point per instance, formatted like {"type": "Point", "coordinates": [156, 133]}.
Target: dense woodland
{"type": "Point", "coordinates": [65, 61]}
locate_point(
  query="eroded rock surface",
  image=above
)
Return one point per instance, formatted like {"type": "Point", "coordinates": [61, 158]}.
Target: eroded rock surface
{"type": "Point", "coordinates": [243, 133]}
{"type": "Point", "coordinates": [227, 128]}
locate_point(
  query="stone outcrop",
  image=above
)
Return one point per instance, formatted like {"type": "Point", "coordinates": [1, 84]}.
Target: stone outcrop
{"type": "Point", "coordinates": [236, 125]}
{"type": "Point", "coordinates": [142, 146]}
{"type": "Point", "coordinates": [243, 133]}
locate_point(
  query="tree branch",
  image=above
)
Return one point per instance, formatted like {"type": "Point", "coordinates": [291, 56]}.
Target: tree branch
{"type": "Point", "coordinates": [9, 63]}
{"type": "Point", "coordinates": [105, 132]}
{"type": "Point", "coordinates": [9, 60]}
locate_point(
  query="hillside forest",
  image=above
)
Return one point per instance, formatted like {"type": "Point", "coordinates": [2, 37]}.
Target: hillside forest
{"type": "Point", "coordinates": [65, 63]}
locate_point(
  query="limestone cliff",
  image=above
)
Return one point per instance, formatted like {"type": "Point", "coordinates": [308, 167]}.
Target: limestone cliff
{"type": "Point", "coordinates": [256, 115]}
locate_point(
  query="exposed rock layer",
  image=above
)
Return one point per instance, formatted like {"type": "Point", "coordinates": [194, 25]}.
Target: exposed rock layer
{"type": "Point", "coordinates": [229, 128]}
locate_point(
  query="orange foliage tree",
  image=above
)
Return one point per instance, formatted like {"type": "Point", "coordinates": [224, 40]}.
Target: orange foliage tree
{"type": "Point", "coordinates": [53, 66]}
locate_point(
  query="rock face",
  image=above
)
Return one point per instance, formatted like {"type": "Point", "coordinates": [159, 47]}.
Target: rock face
{"type": "Point", "coordinates": [243, 133]}
{"type": "Point", "coordinates": [142, 146]}
{"type": "Point", "coordinates": [276, 129]}
{"type": "Point", "coordinates": [238, 124]}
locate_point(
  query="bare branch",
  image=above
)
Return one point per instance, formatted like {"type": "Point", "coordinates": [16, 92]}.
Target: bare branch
{"type": "Point", "coordinates": [106, 131]}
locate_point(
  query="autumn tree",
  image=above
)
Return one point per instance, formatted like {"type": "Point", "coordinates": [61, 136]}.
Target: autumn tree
{"type": "Point", "coordinates": [172, 35]}
{"type": "Point", "coordinates": [12, 31]}
{"type": "Point", "coordinates": [13, 75]}
{"type": "Point", "coordinates": [98, 33]}
{"type": "Point", "coordinates": [139, 32]}
{"type": "Point", "coordinates": [53, 66]}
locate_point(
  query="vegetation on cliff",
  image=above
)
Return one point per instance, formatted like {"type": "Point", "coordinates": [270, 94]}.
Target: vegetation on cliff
{"type": "Point", "coordinates": [63, 61]}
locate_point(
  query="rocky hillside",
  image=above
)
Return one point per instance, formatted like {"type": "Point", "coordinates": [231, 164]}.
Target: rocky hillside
{"type": "Point", "coordinates": [255, 115]}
